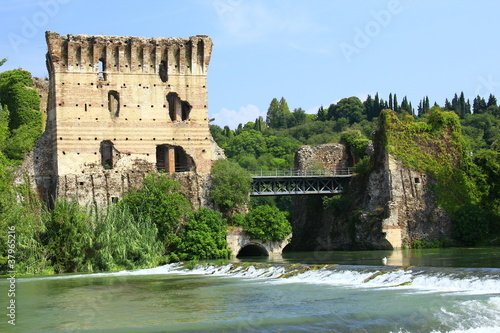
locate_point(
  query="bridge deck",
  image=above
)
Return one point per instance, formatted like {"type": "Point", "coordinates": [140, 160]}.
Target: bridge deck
{"type": "Point", "coordinates": [292, 182]}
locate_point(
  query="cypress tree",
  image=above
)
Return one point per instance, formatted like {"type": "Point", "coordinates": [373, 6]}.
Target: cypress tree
{"type": "Point", "coordinates": [321, 115]}
{"type": "Point", "coordinates": [377, 105]}
{"type": "Point", "coordinates": [492, 101]}
{"type": "Point", "coordinates": [272, 118]}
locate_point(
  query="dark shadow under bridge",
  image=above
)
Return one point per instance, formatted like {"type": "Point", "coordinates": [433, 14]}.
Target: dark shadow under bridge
{"type": "Point", "coordinates": [299, 182]}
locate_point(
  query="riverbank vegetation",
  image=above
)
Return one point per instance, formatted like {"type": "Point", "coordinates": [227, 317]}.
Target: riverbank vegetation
{"type": "Point", "coordinates": [157, 224]}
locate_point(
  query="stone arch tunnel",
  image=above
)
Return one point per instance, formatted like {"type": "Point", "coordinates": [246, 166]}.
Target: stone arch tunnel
{"type": "Point", "coordinates": [241, 244]}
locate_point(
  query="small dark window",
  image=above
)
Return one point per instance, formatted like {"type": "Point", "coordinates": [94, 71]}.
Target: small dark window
{"type": "Point", "coordinates": [163, 70]}
{"type": "Point", "coordinates": [417, 180]}
{"type": "Point", "coordinates": [106, 151]}
{"type": "Point", "coordinates": [114, 103]}
{"type": "Point", "coordinates": [81, 183]}
{"type": "Point", "coordinates": [114, 199]}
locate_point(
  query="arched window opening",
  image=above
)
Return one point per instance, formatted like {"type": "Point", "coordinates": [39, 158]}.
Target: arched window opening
{"type": "Point", "coordinates": [163, 71]}
{"type": "Point", "coordinates": [107, 151]}
{"type": "Point", "coordinates": [177, 108]}
{"type": "Point", "coordinates": [114, 103]}
{"type": "Point", "coordinates": [252, 250]}
{"type": "Point", "coordinates": [102, 70]}
{"type": "Point", "coordinates": [173, 159]}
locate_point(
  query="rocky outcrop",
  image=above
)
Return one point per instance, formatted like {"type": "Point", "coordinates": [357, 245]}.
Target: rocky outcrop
{"type": "Point", "coordinates": [329, 157]}
{"type": "Point", "coordinates": [384, 209]}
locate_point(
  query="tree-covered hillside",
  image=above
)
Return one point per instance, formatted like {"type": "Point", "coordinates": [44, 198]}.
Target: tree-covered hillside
{"type": "Point", "coordinates": [472, 185]}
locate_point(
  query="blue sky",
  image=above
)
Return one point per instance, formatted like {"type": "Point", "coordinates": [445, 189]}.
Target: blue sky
{"type": "Point", "coordinates": [310, 52]}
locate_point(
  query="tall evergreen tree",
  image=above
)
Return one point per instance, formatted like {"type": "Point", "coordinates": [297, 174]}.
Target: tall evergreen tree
{"type": "Point", "coordinates": [391, 106]}
{"type": "Point", "coordinates": [492, 101]}
{"type": "Point", "coordinates": [272, 118]}
{"type": "Point", "coordinates": [285, 113]}
{"type": "Point", "coordinates": [479, 105]}
{"type": "Point", "coordinates": [447, 105]}
{"type": "Point", "coordinates": [370, 108]}
{"type": "Point", "coordinates": [321, 115]}
{"type": "Point", "coordinates": [463, 106]}
{"type": "Point", "coordinates": [396, 107]}
{"type": "Point", "coordinates": [376, 105]}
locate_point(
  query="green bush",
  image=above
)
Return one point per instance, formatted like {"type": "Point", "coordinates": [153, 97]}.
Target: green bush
{"type": "Point", "coordinates": [202, 237]}
{"type": "Point", "coordinates": [266, 223]}
{"type": "Point", "coordinates": [161, 200]}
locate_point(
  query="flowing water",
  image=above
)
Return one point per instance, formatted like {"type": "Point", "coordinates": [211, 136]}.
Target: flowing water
{"type": "Point", "coordinates": [444, 290]}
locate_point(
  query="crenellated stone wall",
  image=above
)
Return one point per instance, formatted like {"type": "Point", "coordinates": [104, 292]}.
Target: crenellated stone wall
{"type": "Point", "coordinates": [119, 108]}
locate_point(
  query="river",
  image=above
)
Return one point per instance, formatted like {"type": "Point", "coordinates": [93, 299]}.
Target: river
{"type": "Point", "coordinates": [432, 290]}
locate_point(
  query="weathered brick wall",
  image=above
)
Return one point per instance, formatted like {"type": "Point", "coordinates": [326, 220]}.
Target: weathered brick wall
{"type": "Point", "coordinates": [121, 107]}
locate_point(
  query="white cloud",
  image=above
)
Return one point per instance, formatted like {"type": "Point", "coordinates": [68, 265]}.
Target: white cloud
{"type": "Point", "coordinates": [233, 118]}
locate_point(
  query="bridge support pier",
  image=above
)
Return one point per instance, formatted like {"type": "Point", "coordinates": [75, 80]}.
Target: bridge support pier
{"type": "Point", "coordinates": [239, 241]}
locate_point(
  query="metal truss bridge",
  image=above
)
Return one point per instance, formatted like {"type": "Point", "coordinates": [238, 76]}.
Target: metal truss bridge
{"type": "Point", "coordinates": [295, 182]}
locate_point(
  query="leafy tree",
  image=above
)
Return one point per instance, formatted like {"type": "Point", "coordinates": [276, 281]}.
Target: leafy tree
{"type": "Point", "coordinates": [160, 200]}
{"type": "Point", "coordinates": [278, 113]}
{"type": "Point", "coordinates": [3, 61]}
{"type": "Point", "coordinates": [266, 223]}
{"type": "Point", "coordinates": [273, 114]}
{"type": "Point", "coordinates": [202, 237]}
{"type": "Point", "coordinates": [230, 186]}
{"type": "Point", "coordinates": [350, 108]}
{"type": "Point", "coordinates": [247, 142]}
{"type": "Point", "coordinates": [298, 117]}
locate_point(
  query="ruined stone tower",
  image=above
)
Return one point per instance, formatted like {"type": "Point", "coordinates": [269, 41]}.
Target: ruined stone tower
{"type": "Point", "coordinates": [120, 107]}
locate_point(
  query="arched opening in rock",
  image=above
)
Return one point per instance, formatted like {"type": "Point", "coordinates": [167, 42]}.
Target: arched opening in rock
{"type": "Point", "coordinates": [252, 250]}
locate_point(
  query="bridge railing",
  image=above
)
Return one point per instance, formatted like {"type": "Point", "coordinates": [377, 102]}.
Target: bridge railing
{"type": "Point", "coordinates": [301, 173]}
